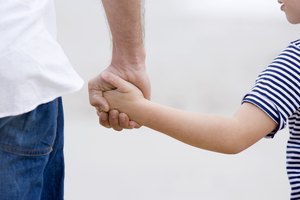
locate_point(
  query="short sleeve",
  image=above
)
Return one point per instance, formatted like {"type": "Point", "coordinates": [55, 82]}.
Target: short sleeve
{"type": "Point", "coordinates": [276, 90]}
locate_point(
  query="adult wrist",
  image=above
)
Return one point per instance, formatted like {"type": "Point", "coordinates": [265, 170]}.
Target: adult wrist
{"type": "Point", "coordinates": [134, 58]}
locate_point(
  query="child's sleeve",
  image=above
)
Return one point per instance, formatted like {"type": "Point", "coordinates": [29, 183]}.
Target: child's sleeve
{"type": "Point", "coordinates": [277, 88]}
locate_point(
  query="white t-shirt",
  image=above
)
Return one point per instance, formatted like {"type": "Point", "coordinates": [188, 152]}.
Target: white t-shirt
{"type": "Point", "coordinates": [33, 66]}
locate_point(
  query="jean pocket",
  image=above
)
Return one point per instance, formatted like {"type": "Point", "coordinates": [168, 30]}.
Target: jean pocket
{"type": "Point", "coordinates": [32, 133]}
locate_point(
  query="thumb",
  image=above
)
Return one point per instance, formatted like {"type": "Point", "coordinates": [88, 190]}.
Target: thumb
{"type": "Point", "coordinates": [115, 81]}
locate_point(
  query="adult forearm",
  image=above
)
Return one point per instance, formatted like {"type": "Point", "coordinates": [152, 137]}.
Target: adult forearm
{"type": "Point", "coordinates": [125, 18]}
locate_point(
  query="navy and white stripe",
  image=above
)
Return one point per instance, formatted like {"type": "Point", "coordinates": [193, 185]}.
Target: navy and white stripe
{"type": "Point", "coordinates": [277, 93]}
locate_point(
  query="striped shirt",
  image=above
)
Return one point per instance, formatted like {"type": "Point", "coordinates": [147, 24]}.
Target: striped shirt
{"type": "Point", "coordinates": [277, 93]}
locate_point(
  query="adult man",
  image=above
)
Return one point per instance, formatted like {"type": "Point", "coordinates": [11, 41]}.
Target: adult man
{"type": "Point", "coordinates": [34, 74]}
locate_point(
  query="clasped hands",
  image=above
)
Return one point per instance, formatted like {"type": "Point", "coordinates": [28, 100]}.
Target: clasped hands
{"type": "Point", "coordinates": [112, 118]}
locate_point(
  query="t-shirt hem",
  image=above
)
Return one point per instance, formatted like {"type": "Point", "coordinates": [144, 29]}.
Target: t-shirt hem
{"type": "Point", "coordinates": [34, 105]}
{"type": "Point", "coordinates": [271, 134]}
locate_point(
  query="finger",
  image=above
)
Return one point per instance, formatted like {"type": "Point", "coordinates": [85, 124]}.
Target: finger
{"type": "Point", "coordinates": [103, 119]}
{"type": "Point", "coordinates": [134, 124]}
{"type": "Point", "coordinates": [114, 80]}
{"type": "Point", "coordinates": [124, 121]}
{"type": "Point", "coordinates": [98, 101]}
{"type": "Point", "coordinates": [145, 86]}
{"type": "Point", "coordinates": [98, 111]}
{"type": "Point", "coordinates": [147, 92]}
{"type": "Point", "coordinates": [96, 88]}
{"type": "Point", "coordinates": [114, 120]}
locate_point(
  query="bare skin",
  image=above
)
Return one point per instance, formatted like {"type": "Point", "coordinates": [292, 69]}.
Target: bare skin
{"type": "Point", "coordinates": [223, 134]}
{"type": "Point", "coordinates": [125, 47]}
{"type": "Point", "coordinates": [291, 8]}
{"type": "Point", "coordinates": [128, 60]}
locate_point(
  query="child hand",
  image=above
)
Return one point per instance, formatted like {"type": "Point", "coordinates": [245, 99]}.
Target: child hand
{"type": "Point", "coordinates": [125, 94]}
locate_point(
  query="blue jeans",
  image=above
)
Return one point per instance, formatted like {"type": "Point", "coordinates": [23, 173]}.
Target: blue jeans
{"type": "Point", "coordinates": [31, 154]}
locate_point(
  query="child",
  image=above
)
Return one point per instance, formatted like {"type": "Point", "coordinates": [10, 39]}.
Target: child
{"type": "Point", "coordinates": [274, 100]}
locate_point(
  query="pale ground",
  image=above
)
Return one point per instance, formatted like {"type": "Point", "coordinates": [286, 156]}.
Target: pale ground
{"type": "Point", "coordinates": [197, 61]}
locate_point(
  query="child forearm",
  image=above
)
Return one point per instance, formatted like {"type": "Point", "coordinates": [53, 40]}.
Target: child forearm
{"type": "Point", "coordinates": [211, 132]}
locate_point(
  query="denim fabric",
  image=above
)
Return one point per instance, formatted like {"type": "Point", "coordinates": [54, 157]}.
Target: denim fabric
{"type": "Point", "coordinates": [31, 154]}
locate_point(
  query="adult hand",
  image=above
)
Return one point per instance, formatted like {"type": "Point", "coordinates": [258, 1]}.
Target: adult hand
{"type": "Point", "coordinates": [112, 118]}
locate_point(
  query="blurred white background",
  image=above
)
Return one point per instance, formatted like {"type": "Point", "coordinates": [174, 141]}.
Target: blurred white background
{"type": "Point", "coordinates": [202, 56]}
